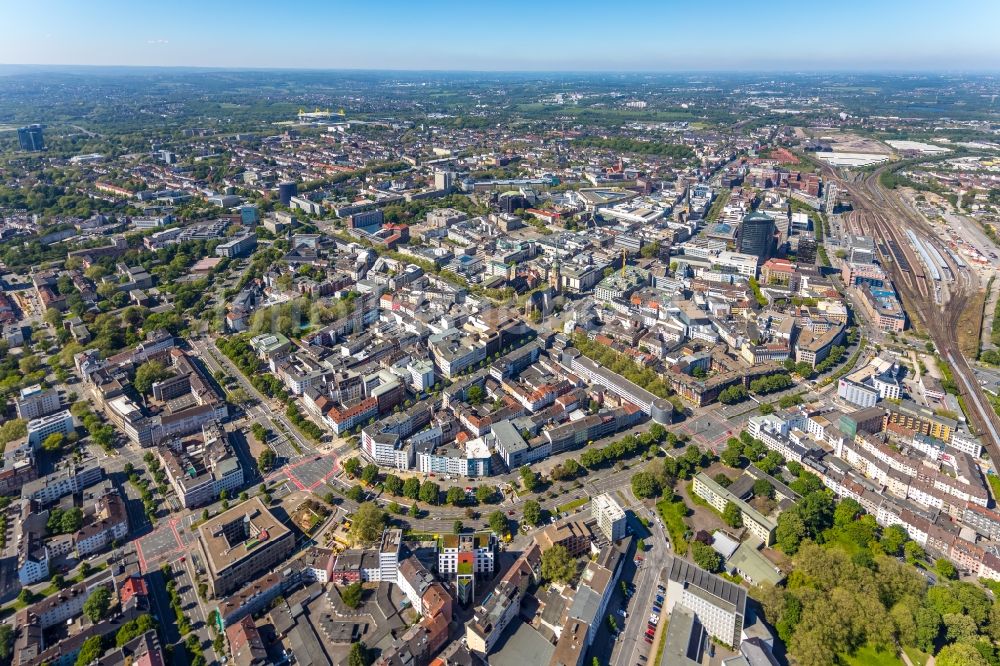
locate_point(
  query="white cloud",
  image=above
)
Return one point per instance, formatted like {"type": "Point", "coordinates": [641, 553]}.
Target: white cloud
{"type": "Point", "coordinates": [157, 41]}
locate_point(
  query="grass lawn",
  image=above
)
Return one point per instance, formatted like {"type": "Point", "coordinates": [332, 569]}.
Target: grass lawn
{"type": "Point", "coordinates": [701, 501]}
{"type": "Point", "coordinates": [867, 656]}
{"type": "Point", "coordinates": [49, 591]}
{"type": "Point", "coordinates": [661, 634]}
{"type": "Point", "coordinates": [916, 656]}
{"type": "Point", "coordinates": [14, 606]}
{"type": "Point", "coordinates": [420, 536]}
{"type": "Point", "coordinates": [673, 511]}
{"type": "Point", "coordinates": [569, 506]}
{"type": "Point", "coordinates": [994, 484]}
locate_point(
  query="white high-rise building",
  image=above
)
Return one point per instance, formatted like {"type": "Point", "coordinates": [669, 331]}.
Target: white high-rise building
{"type": "Point", "coordinates": [388, 555]}
{"type": "Point", "coordinates": [36, 402]}
{"type": "Point", "coordinates": [444, 180]}
{"type": "Point", "coordinates": [609, 515]}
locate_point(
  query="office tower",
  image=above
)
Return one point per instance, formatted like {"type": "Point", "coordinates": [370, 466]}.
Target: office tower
{"type": "Point", "coordinates": [31, 138]}
{"type": "Point", "coordinates": [718, 604]}
{"type": "Point", "coordinates": [757, 235]}
{"type": "Point", "coordinates": [286, 191]}
{"type": "Point", "coordinates": [249, 215]}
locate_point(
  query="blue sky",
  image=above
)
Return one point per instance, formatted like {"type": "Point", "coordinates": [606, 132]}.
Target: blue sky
{"type": "Point", "coordinates": [660, 35]}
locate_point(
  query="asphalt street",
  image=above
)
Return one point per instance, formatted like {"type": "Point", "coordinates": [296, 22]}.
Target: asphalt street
{"type": "Point", "coordinates": [632, 643]}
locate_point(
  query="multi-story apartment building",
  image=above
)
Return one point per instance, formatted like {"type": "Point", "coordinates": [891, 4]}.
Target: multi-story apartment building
{"type": "Point", "coordinates": [572, 534]}
{"type": "Point", "coordinates": [104, 522]}
{"type": "Point", "coordinates": [199, 470]}
{"type": "Point", "coordinates": [300, 373]}
{"type": "Point", "coordinates": [68, 603]}
{"type": "Point", "coordinates": [481, 545]}
{"type": "Point", "coordinates": [414, 580]}
{"type": "Point", "coordinates": [499, 608]}
{"type": "Point", "coordinates": [383, 442]}
{"type": "Point", "coordinates": [59, 423]}
{"type": "Point", "coordinates": [421, 641]}
{"type": "Point", "coordinates": [454, 353]}
{"type": "Point", "coordinates": [908, 417]}
{"type": "Point", "coordinates": [108, 379]}
{"type": "Point", "coordinates": [68, 479]}
{"type": "Point", "coordinates": [883, 308]}
{"type": "Point", "coordinates": [966, 443]}
{"type": "Point", "coordinates": [19, 467]}
{"type": "Point", "coordinates": [29, 538]}
{"type": "Point", "coordinates": [35, 402]}
{"type": "Point", "coordinates": [237, 246]}
{"type": "Point", "coordinates": [812, 347]}
{"type": "Point", "coordinates": [857, 393]}
{"type": "Point", "coordinates": [761, 526]}
{"type": "Point", "coordinates": [590, 603]}
{"type": "Point", "coordinates": [341, 418]}
{"type": "Point", "coordinates": [609, 515]}
{"type": "Point", "coordinates": [660, 410]}
{"type": "Point", "coordinates": [984, 521]}
{"type": "Point", "coordinates": [421, 374]}
{"type": "Point", "coordinates": [388, 555]}
{"type": "Point", "coordinates": [472, 460]}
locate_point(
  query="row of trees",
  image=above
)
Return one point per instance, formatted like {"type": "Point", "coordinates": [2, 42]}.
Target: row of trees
{"type": "Point", "coordinates": [770, 384]}
{"type": "Point", "coordinates": [427, 492]}
{"type": "Point", "coordinates": [238, 350]}
{"type": "Point", "coordinates": [307, 427]}
{"type": "Point", "coordinates": [835, 356]}
{"type": "Point", "coordinates": [802, 369]}
{"type": "Point", "coordinates": [758, 296]}
{"type": "Point", "coordinates": [733, 394]}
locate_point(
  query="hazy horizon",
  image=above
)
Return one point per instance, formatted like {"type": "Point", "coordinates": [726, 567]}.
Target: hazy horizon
{"type": "Point", "coordinates": [70, 67]}
{"type": "Point", "coordinates": [517, 36]}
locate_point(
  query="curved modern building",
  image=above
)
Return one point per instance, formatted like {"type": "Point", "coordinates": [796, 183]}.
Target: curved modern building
{"type": "Point", "coordinates": [757, 236]}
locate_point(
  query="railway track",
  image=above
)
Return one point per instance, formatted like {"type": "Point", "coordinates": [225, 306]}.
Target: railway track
{"type": "Point", "coordinates": [887, 218]}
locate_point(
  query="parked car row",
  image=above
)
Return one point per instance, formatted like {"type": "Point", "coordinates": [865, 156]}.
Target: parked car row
{"type": "Point", "coordinates": [654, 617]}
